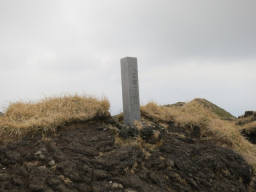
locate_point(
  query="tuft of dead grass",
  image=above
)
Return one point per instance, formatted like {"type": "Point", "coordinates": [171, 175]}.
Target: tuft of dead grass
{"type": "Point", "coordinates": [49, 114]}
{"type": "Point", "coordinates": [249, 127]}
{"type": "Point", "coordinates": [224, 133]}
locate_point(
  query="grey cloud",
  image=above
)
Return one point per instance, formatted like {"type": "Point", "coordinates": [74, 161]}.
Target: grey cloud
{"type": "Point", "coordinates": [185, 49]}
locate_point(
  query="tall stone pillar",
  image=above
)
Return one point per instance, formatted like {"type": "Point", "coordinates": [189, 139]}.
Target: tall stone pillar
{"type": "Point", "coordinates": [130, 90]}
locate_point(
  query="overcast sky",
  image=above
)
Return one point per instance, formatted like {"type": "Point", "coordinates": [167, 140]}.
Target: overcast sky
{"type": "Point", "coordinates": [185, 49]}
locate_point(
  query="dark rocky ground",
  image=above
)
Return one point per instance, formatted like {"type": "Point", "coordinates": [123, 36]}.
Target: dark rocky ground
{"type": "Point", "coordinates": [86, 157]}
{"type": "Point", "coordinates": [248, 117]}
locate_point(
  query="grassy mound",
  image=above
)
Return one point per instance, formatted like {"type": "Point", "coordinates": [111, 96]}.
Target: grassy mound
{"type": "Point", "coordinates": [221, 113]}
{"type": "Point", "coordinates": [48, 114]}
{"type": "Point", "coordinates": [212, 121]}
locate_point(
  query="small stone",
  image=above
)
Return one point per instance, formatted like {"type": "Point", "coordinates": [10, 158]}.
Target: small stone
{"type": "Point", "coordinates": [42, 167]}
{"type": "Point", "coordinates": [38, 153]}
{"type": "Point", "coordinates": [171, 163]}
{"type": "Point", "coordinates": [51, 163]}
{"type": "Point", "coordinates": [41, 156]}
{"type": "Point", "coordinates": [117, 186]}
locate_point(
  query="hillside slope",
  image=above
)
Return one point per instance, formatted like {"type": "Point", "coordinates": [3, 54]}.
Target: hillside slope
{"type": "Point", "coordinates": [162, 153]}
{"type": "Point", "coordinates": [89, 157]}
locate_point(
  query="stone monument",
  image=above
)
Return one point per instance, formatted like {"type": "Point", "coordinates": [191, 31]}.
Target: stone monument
{"type": "Point", "coordinates": [130, 90]}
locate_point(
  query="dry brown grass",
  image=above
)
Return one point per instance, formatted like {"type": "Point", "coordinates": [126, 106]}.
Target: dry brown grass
{"type": "Point", "coordinates": [49, 114]}
{"type": "Point", "coordinates": [213, 128]}
{"type": "Point", "coordinates": [247, 124]}
{"type": "Point", "coordinates": [249, 127]}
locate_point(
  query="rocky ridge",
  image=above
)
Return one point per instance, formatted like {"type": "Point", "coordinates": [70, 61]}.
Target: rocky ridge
{"type": "Point", "coordinates": [104, 155]}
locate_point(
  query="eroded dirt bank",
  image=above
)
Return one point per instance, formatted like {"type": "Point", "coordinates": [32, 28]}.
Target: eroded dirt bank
{"type": "Point", "coordinates": [89, 157]}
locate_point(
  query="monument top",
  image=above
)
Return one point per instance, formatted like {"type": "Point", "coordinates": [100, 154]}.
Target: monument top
{"type": "Point", "coordinates": [129, 59]}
